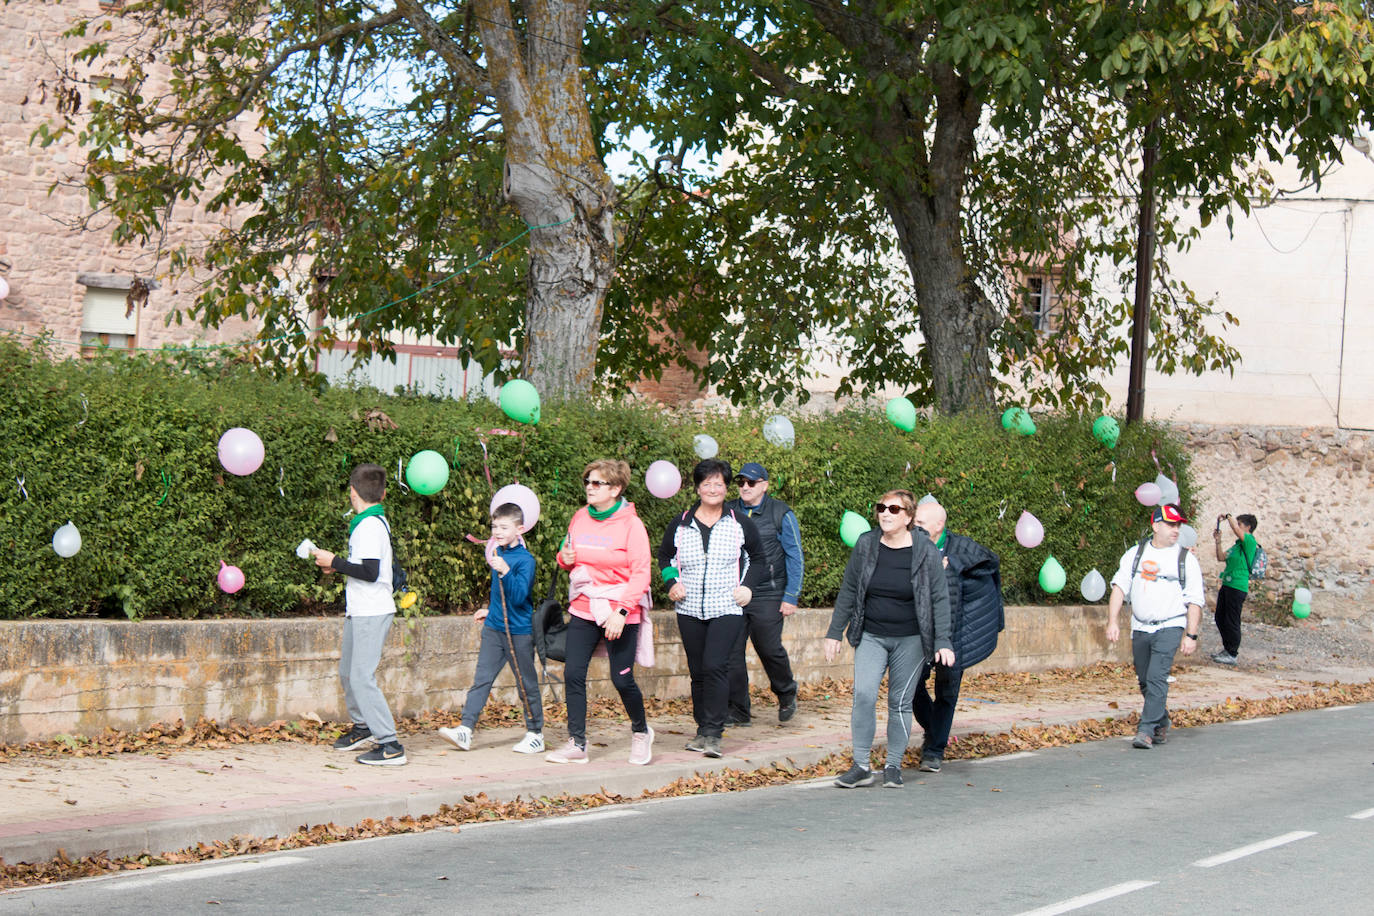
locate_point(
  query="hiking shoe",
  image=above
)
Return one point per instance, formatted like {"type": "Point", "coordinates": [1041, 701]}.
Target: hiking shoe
{"type": "Point", "coordinates": [1143, 741]}
{"type": "Point", "coordinates": [356, 738]}
{"type": "Point", "coordinates": [460, 737]}
{"type": "Point", "coordinates": [710, 746]}
{"type": "Point", "coordinates": [642, 747]}
{"type": "Point", "coordinates": [695, 744]}
{"type": "Point", "coordinates": [930, 763]}
{"type": "Point", "coordinates": [1161, 735]}
{"type": "Point", "coordinates": [892, 777]}
{"type": "Point", "coordinates": [738, 721]}
{"type": "Point", "coordinates": [568, 753]}
{"type": "Point", "coordinates": [532, 743]}
{"type": "Point", "coordinates": [390, 754]}
{"type": "Point", "coordinates": [1224, 658]}
{"type": "Point", "coordinates": [787, 709]}
{"type": "Point", "coordinates": [854, 777]}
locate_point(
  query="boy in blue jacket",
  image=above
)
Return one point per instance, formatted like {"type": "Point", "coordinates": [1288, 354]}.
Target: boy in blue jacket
{"type": "Point", "coordinates": [509, 628]}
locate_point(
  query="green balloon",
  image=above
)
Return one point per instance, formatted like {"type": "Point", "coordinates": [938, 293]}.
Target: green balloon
{"type": "Point", "coordinates": [1107, 431]}
{"type": "Point", "coordinates": [1009, 417]}
{"type": "Point", "coordinates": [851, 526]}
{"type": "Point", "coordinates": [427, 472]}
{"type": "Point", "coordinates": [1301, 611]}
{"type": "Point", "coordinates": [1052, 576]}
{"type": "Point", "coordinates": [1025, 425]}
{"type": "Point", "coordinates": [901, 413]}
{"type": "Point", "coordinates": [520, 401]}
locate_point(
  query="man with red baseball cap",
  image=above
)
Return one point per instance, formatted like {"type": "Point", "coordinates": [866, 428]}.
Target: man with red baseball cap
{"type": "Point", "coordinates": [1164, 585]}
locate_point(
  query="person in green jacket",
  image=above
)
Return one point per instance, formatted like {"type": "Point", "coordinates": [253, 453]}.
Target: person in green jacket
{"type": "Point", "coordinates": [1235, 582]}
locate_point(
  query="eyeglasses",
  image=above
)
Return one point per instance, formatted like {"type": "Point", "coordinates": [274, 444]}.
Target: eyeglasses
{"type": "Point", "coordinates": [884, 507]}
{"type": "Point", "coordinates": [742, 481]}
{"type": "Point", "coordinates": [594, 484]}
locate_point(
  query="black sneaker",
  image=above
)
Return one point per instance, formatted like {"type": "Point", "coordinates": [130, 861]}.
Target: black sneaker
{"type": "Point", "coordinates": [354, 739]}
{"type": "Point", "coordinates": [1161, 735]}
{"type": "Point", "coordinates": [855, 777]}
{"type": "Point", "coordinates": [736, 720]}
{"type": "Point", "coordinates": [390, 754]}
{"type": "Point", "coordinates": [892, 777]}
{"type": "Point", "coordinates": [930, 763]}
{"type": "Point", "coordinates": [787, 709]}
{"type": "Point", "coordinates": [710, 746]}
{"type": "Point", "coordinates": [695, 744]}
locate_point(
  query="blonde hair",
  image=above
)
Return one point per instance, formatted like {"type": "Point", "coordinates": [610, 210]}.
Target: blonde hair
{"type": "Point", "coordinates": [908, 501]}
{"type": "Point", "coordinates": [617, 473]}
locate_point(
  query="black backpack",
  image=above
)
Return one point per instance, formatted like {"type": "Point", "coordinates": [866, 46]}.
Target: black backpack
{"type": "Point", "coordinates": [550, 625]}
{"type": "Point", "coordinates": [398, 573]}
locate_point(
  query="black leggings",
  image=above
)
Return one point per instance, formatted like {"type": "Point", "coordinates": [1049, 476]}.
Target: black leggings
{"type": "Point", "coordinates": [1229, 602]}
{"type": "Point", "coordinates": [707, 644]}
{"type": "Point", "coordinates": [583, 635]}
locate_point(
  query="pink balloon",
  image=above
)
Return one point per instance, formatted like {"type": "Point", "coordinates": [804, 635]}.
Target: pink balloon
{"type": "Point", "coordinates": [1148, 494]}
{"type": "Point", "coordinates": [663, 479]}
{"type": "Point", "coordinates": [523, 497]}
{"type": "Point", "coordinates": [1029, 531]}
{"type": "Point", "coordinates": [240, 451]}
{"type": "Point", "coordinates": [230, 578]}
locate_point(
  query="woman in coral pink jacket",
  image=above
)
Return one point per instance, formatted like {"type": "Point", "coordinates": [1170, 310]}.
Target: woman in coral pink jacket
{"type": "Point", "coordinates": [607, 556]}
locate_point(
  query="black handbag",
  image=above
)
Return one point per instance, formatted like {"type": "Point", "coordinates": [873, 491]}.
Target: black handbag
{"type": "Point", "coordinates": [550, 625]}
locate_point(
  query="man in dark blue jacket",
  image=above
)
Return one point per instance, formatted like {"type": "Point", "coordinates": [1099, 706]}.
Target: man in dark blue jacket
{"type": "Point", "coordinates": [973, 574]}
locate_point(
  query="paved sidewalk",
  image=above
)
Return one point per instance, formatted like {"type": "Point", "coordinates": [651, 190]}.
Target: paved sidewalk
{"type": "Point", "coordinates": [166, 801]}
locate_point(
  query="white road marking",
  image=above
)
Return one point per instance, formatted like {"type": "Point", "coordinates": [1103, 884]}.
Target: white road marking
{"type": "Point", "coordinates": [1017, 756]}
{"type": "Point", "coordinates": [1364, 815]}
{"type": "Point", "coordinates": [1082, 900]}
{"type": "Point", "coordinates": [1336, 708]}
{"type": "Point", "coordinates": [1261, 846]}
{"type": "Point", "coordinates": [581, 818]}
{"type": "Point", "coordinates": [208, 871]}
{"type": "Point", "coordinates": [1253, 721]}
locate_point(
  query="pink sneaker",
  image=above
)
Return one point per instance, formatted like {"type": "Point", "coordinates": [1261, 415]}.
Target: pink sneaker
{"type": "Point", "coordinates": [569, 753]}
{"type": "Point", "coordinates": [642, 747]}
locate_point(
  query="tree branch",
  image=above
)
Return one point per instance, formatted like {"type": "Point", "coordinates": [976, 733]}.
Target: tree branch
{"type": "Point", "coordinates": [439, 41]}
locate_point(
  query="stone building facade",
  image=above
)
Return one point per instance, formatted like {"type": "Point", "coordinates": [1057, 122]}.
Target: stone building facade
{"type": "Point", "coordinates": [69, 283]}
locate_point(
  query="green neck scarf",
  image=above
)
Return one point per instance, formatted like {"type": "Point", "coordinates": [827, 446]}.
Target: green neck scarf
{"type": "Point", "coordinates": [602, 516]}
{"type": "Point", "coordinates": [944, 536]}
{"type": "Point", "coordinates": [370, 511]}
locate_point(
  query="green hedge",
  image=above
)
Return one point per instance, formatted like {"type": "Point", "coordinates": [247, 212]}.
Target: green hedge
{"type": "Point", "coordinates": [101, 465]}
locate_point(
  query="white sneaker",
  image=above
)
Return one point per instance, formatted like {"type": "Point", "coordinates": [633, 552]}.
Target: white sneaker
{"type": "Point", "coordinates": [641, 747]}
{"type": "Point", "coordinates": [532, 743]}
{"type": "Point", "coordinates": [460, 737]}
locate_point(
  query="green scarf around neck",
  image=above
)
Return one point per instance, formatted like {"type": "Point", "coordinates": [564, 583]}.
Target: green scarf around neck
{"type": "Point", "coordinates": [366, 513]}
{"type": "Point", "coordinates": [601, 516]}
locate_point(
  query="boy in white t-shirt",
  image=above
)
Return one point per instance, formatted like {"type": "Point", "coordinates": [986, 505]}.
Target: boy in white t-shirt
{"type": "Point", "coordinates": [368, 612]}
{"type": "Point", "coordinates": [1164, 583]}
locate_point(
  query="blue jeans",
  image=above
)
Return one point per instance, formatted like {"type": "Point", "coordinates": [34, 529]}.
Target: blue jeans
{"type": "Point", "coordinates": [1153, 654]}
{"type": "Point", "coordinates": [901, 657]}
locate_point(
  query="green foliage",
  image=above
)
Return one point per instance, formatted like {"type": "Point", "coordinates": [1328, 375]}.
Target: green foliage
{"type": "Point", "coordinates": [101, 467]}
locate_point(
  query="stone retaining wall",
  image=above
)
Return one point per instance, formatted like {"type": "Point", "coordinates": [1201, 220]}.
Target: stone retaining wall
{"type": "Point", "coordinates": [1312, 491]}
{"type": "Point", "coordinates": [80, 677]}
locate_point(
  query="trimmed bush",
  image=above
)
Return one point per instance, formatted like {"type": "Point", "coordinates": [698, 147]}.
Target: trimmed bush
{"type": "Point", "coordinates": [135, 468]}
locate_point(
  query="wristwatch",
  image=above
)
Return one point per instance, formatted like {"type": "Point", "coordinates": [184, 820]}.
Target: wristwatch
{"type": "Point", "coordinates": [1192, 636]}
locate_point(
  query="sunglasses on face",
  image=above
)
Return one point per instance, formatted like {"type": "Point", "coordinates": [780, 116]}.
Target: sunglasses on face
{"type": "Point", "coordinates": [894, 508]}
{"type": "Point", "coordinates": [594, 484]}
{"type": "Point", "coordinates": [742, 481]}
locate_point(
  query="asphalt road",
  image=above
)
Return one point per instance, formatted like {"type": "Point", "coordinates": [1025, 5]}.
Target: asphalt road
{"type": "Point", "coordinates": [1273, 814]}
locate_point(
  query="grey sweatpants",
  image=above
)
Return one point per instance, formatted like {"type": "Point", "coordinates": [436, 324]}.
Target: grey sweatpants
{"type": "Point", "coordinates": [901, 658]}
{"type": "Point", "coordinates": [359, 655]}
{"type": "Point", "coordinates": [1153, 654]}
{"type": "Point", "coordinates": [492, 656]}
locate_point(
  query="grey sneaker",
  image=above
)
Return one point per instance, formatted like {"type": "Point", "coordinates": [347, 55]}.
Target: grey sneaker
{"type": "Point", "coordinates": [695, 744]}
{"type": "Point", "coordinates": [1224, 658]}
{"type": "Point", "coordinates": [1161, 735]}
{"type": "Point", "coordinates": [710, 746]}
{"type": "Point", "coordinates": [892, 777]}
{"type": "Point", "coordinates": [856, 776]}
{"type": "Point", "coordinates": [930, 763]}
{"type": "Point", "coordinates": [1143, 741]}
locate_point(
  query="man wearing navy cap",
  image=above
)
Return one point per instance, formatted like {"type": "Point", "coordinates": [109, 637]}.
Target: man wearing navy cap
{"type": "Point", "coordinates": [1164, 583]}
{"type": "Point", "coordinates": [775, 598]}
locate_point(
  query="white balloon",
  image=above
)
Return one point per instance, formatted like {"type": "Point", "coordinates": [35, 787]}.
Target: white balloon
{"type": "Point", "coordinates": [1093, 586]}
{"type": "Point", "coordinates": [1168, 491]}
{"type": "Point", "coordinates": [778, 430]}
{"type": "Point", "coordinates": [1302, 596]}
{"type": "Point", "coordinates": [66, 541]}
{"type": "Point", "coordinates": [705, 446]}
{"type": "Point", "coordinates": [1187, 536]}
{"type": "Point", "coordinates": [4, 288]}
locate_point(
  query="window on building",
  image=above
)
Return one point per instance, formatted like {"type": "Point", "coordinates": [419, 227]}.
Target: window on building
{"type": "Point", "coordinates": [1038, 300]}
{"type": "Point", "coordinates": [107, 321]}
